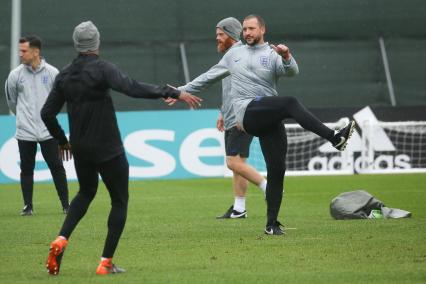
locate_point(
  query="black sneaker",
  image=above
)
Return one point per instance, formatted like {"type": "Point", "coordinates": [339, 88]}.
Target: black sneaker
{"type": "Point", "coordinates": [275, 229]}
{"type": "Point", "coordinates": [27, 210]}
{"type": "Point", "coordinates": [343, 136]}
{"type": "Point", "coordinates": [236, 214]}
{"type": "Point", "coordinates": [227, 214]}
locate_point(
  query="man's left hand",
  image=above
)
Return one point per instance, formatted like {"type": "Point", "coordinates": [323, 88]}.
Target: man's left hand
{"type": "Point", "coordinates": [192, 101]}
{"type": "Point", "coordinates": [66, 152]}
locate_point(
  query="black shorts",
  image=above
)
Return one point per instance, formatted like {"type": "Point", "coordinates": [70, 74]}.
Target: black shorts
{"type": "Point", "coordinates": [237, 142]}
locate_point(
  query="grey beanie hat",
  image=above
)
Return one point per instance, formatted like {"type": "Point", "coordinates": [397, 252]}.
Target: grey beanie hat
{"type": "Point", "coordinates": [231, 26]}
{"type": "Point", "coordinates": [86, 37]}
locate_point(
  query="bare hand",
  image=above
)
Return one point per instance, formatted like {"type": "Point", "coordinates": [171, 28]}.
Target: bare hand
{"type": "Point", "coordinates": [192, 101]}
{"type": "Point", "coordinates": [219, 123]}
{"type": "Point", "coordinates": [66, 152]}
{"type": "Point", "coordinates": [240, 128]}
{"type": "Point", "coordinates": [170, 101]}
{"type": "Point", "coordinates": [282, 50]}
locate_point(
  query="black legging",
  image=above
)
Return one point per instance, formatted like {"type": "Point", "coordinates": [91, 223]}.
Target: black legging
{"type": "Point", "coordinates": [115, 175]}
{"type": "Point", "coordinates": [263, 118]}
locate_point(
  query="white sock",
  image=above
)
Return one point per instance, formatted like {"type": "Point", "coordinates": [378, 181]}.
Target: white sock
{"type": "Point", "coordinates": [104, 258]}
{"type": "Point", "coordinates": [62, 237]}
{"type": "Point", "coordinates": [240, 204]}
{"type": "Point", "coordinates": [262, 185]}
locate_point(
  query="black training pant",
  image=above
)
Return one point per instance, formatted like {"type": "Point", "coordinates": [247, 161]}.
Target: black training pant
{"type": "Point", "coordinates": [50, 152]}
{"type": "Point", "coordinates": [263, 118]}
{"type": "Point", "coordinates": [115, 175]}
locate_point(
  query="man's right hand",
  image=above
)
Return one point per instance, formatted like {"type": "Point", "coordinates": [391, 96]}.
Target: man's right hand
{"type": "Point", "coordinates": [191, 100]}
{"type": "Point", "coordinates": [66, 152]}
{"type": "Point", "coordinates": [170, 101]}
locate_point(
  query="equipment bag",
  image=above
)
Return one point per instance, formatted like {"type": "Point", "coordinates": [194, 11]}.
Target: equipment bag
{"type": "Point", "coordinates": [360, 204]}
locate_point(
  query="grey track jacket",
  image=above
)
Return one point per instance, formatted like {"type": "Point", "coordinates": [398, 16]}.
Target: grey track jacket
{"type": "Point", "coordinates": [26, 92]}
{"type": "Point", "coordinates": [254, 72]}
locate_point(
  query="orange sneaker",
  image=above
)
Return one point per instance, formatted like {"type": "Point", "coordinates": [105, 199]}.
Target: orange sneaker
{"type": "Point", "coordinates": [107, 267]}
{"type": "Point", "coordinates": [57, 248]}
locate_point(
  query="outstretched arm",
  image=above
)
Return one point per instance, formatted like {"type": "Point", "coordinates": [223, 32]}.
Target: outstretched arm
{"type": "Point", "coordinates": [122, 83]}
{"type": "Point", "coordinates": [205, 80]}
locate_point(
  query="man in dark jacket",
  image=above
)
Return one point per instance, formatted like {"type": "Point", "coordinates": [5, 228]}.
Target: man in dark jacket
{"type": "Point", "coordinates": [95, 139]}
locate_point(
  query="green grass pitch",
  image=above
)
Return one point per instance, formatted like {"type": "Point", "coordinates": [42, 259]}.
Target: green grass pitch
{"type": "Point", "coordinates": [172, 236]}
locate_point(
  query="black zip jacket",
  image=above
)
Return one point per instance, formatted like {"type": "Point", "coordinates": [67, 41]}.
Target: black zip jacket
{"type": "Point", "coordinates": [84, 85]}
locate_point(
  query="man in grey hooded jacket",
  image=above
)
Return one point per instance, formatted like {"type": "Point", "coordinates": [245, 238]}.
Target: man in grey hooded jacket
{"type": "Point", "coordinates": [27, 88]}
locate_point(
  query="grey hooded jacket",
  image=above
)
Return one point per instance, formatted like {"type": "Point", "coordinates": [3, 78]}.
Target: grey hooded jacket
{"type": "Point", "coordinates": [26, 92]}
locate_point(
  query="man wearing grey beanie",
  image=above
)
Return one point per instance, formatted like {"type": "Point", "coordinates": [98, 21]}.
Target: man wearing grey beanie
{"type": "Point", "coordinates": [86, 37]}
{"type": "Point", "coordinates": [95, 140]}
{"type": "Point", "coordinates": [237, 142]}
